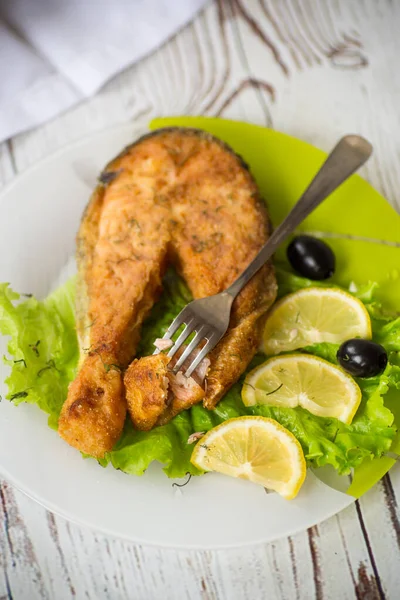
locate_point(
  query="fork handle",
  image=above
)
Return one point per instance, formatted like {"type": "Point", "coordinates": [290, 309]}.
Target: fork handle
{"type": "Point", "coordinates": [348, 155]}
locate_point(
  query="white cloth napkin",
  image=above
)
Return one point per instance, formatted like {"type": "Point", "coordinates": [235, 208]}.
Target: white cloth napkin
{"type": "Point", "coordinates": [54, 53]}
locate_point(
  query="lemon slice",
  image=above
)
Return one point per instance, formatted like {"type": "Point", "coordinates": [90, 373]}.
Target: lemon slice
{"type": "Point", "coordinates": [302, 380]}
{"type": "Point", "coordinates": [314, 315]}
{"type": "Point", "coordinates": [254, 448]}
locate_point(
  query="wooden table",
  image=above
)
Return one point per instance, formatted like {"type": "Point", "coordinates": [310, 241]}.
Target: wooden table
{"type": "Point", "coordinates": [315, 69]}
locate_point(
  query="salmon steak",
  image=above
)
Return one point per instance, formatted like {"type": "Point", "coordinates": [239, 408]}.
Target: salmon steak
{"type": "Point", "coordinates": [177, 197]}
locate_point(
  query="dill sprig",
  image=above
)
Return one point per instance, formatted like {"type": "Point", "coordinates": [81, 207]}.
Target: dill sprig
{"type": "Point", "coordinates": [35, 348]}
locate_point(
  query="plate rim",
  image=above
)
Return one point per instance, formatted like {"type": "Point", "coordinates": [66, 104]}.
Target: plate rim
{"type": "Point", "coordinates": [75, 143]}
{"type": "Point", "coordinates": [137, 129]}
{"type": "Point", "coordinates": [108, 533]}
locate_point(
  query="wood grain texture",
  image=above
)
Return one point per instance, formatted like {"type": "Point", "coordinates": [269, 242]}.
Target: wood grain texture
{"type": "Point", "coordinates": [314, 70]}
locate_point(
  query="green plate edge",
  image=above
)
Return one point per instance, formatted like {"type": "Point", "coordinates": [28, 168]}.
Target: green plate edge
{"type": "Point", "coordinates": [283, 166]}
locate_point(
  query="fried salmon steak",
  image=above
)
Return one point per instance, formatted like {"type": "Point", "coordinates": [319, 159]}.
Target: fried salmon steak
{"type": "Point", "coordinates": [180, 197]}
{"type": "Point", "coordinates": [122, 249]}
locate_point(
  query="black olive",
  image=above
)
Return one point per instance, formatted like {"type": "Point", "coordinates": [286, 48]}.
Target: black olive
{"type": "Point", "coordinates": [362, 358]}
{"type": "Point", "coordinates": [311, 257]}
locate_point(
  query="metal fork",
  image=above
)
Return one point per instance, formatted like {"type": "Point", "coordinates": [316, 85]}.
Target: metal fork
{"type": "Point", "coordinates": [209, 317]}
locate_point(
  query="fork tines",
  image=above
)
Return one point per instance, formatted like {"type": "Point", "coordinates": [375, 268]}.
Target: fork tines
{"type": "Point", "coordinates": [202, 332]}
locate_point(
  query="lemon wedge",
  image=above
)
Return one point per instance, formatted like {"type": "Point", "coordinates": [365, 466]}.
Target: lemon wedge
{"type": "Point", "coordinates": [302, 380]}
{"type": "Point", "coordinates": [254, 448]}
{"type": "Point", "coordinates": [314, 315]}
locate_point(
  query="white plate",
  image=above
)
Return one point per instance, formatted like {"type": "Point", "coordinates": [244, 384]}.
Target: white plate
{"type": "Point", "coordinates": [41, 211]}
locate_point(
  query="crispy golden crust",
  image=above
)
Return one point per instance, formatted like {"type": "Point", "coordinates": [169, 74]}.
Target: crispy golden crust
{"type": "Point", "coordinates": [122, 248]}
{"type": "Point", "coordinates": [94, 413]}
{"type": "Point", "coordinates": [146, 382]}
{"type": "Point", "coordinates": [179, 196]}
{"type": "Point", "coordinates": [155, 394]}
{"type": "Point", "coordinates": [220, 223]}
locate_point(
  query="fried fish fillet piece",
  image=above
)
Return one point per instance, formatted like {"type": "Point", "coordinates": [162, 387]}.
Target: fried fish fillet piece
{"type": "Point", "coordinates": [122, 251]}
{"type": "Point", "coordinates": [147, 384]}
{"type": "Point", "coordinates": [218, 224]}
{"type": "Point", "coordinates": [151, 387]}
{"type": "Point", "coordinates": [176, 196]}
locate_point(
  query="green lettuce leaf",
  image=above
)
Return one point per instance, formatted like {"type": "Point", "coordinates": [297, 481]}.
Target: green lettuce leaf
{"type": "Point", "coordinates": [168, 445]}
{"type": "Point", "coordinates": [289, 282]}
{"type": "Point", "coordinates": [43, 355]}
{"type": "Point", "coordinates": [324, 440]}
{"type": "Point", "coordinates": [43, 349]}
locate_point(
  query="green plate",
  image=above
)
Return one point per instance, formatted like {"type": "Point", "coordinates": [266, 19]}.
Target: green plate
{"type": "Point", "coordinates": [363, 229]}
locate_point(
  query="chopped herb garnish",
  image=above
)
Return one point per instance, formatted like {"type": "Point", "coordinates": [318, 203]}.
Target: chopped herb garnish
{"type": "Point", "coordinates": [249, 384]}
{"type": "Point", "coordinates": [112, 366]}
{"type": "Point", "coordinates": [19, 395]}
{"type": "Point", "coordinates": [273, 391]}
{"type": "Point", "coordinates": [180, 485]}
{"type": "Point", "coordinates": [211, 242]}
{"type": "Point", "coordinates": [21, 360]}
{"type": "Point", "coordinates": [107, 366]}
{"type": "Point", "coordinates": [35, 348]}
{"type": "Point", "coordinates": [89, 326]}
{"type": "Point", "coordinates": [266, 393]}
{"type": "Point", "coordinates": [172, 151]}
{"type": "Point", "coordinates": [134, 223]}
{"type": "Point", "coordinates": [49, 365]}
{"type": "Point", "coordinates": [199, 246]}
